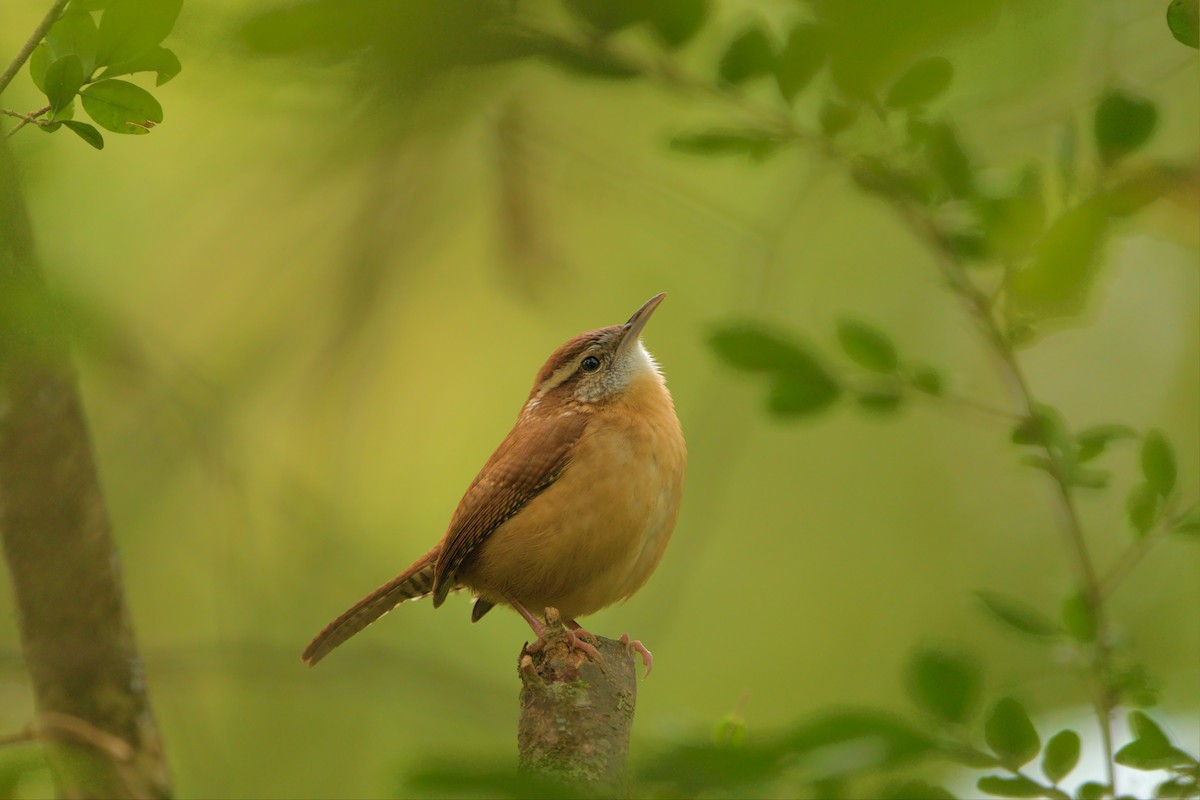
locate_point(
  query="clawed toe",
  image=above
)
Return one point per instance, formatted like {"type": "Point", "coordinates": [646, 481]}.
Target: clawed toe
{"type": "Point", "coordinates": [579, 644]}
{"type": "Point", "coordinates": [647, 657]}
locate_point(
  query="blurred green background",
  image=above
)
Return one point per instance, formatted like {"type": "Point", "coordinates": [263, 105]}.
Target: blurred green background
{"type": "Point", "coordinates": [328, 285]}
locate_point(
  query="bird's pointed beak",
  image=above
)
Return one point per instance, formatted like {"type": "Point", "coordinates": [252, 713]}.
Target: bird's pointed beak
{"type": "Point", "coordinates": [633, 329]}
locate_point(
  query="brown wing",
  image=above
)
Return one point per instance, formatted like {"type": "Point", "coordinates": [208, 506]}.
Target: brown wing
{"type": "Point", "coordinates": [532, 457]}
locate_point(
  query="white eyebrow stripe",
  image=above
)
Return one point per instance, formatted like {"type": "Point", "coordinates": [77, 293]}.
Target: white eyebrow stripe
{"type": "Point", "coordinates": [558, 376]}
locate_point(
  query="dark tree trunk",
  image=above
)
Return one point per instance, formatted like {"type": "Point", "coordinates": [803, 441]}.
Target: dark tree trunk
{"type": "Point", "coordinates": [94, 715]}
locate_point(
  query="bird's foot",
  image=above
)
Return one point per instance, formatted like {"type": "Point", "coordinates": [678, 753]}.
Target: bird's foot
{"type": "Point", "coordinates": [572, 629]}
{"type": "Point", "coordinates": [647, 656]}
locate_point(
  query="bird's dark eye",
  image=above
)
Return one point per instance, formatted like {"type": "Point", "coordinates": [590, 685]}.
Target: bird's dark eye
{"type": "Point", "coordinates": [590, 364]}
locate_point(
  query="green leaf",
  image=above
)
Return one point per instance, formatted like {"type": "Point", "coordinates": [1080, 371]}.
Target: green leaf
{"type": "Point", "coordinates": [803, 390]}
{"type": "Point", "coordinates": [587, 62]}
{"type": "Point", "coordinates": [915, 789]}
{"type": "Point", "coordinates": [115, 104]}
{"type": "Point", "coordinates": [1151, 749]}
{"type": "Point", "coordinates": [1061, 755]}
{"type": "Point", "coordinates": [74, 34]}
{"type": "Point", "coordinates": [1044, 426]}
{"type": "Point", "coordinates": [1078, 618]}
{"type": "Point", "coordinates": [880, 401]}
{"type": "Point", "coordinates": [86, 132]}
{"type": "Point", "coordinates": [755, 144]}
{"type": "Point", "coordinates": [803, 55]}
{"type": "Point", "coordinates": [39, 62]}
{"type": "Point", "coordinates": [63, 79]}
{"type": "Point", "coordinates": [943, 684]}
{"type": "Point", "coordinates": [1010, 734]}
{"type": "Point", "coordinates": [676, 22]}
{"type": "Point", "coordinates": [1189, 522]}
{"type": "Point", "coordinates": [1135, 688]}
{"type": "Point", "coordinates": [867, 346]}
{"type": "Point", "coordinates": [875, 175]}
{"type": "Point", "coordinates": [883, 740]}
{"type": "Point", "coordinates": [1183, 18]}
{"type": "Point", "coordinates": [928, 380]}
{"type": "Point", "coordinates": [1065, 264]}
{"type": "Point", "coordinates": [128, 28]}
{"type": "Point", "coordinates": [1016, 786]}
{"type": "Point", "coordinates": [923, 81]}
{"type": "Point", "coordinates": [1177, 788]}
{"type": "Point", "coordinates": [755, 348]}
{"type": "Point", "coordinates": [156, 59]}
{"type": "Point", "coordinates": [1018, 615]}
{"type": "Point", "coordinates": [608, 16]}
{"type": "Point", "coordinates": [1092, 791]}
{"type": "Point", "coordinates": [1089, 478]}
{"type": "Point", "coordinates": [949, 160]}
{"type": "Point", "coordinates": [1093, 441]}
{"type": "Point", "coordinates": [1147, 729]}
{"type": "Point", "coordinates": [1123, 123]}
{"type": "Point", "coordinates": [729, 732]}
{"type": "Point", "coordinates": [1158, 462]}
{"type": "Point", "coordinates": [748, 56]}
{"type": "Point", "coordinates": [836, 117]}
{"type": "Point", "coordinates": [1143, 507]}
{"type": "Point", "coordinates": [1014, 221]}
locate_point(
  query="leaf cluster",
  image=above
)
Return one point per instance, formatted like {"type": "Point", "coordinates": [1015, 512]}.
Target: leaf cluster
{"type": "Point", "coordinates": [86, 52]}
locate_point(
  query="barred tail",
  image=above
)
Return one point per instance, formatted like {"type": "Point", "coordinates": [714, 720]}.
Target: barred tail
{"type": "Point", "coordinates": [415, 582]}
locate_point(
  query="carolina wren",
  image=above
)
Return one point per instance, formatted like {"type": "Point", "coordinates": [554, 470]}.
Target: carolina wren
{"type": "Point", "coordinates": [574, 509]}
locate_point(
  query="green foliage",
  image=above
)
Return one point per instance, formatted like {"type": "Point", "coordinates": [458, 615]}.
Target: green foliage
{"type": "Point", "coordinates": [1060, 756]}
{"type": "Point", "coordinates": [749, 55]}
{"type": "Point", "coordinates": [121, 107]}
{"type": "Point", "coordinates": [944, 684]}
{"type": "Point", "coordinates": [80, 58]}
{"type": "Point", "coordinates": [676, 22]}
{"type": "Point", "coordinates": [1016, 786]}
{"type": "Point", "coordinates": [1183, 18]}
{"type": "Point", "coordinates": [1158, 463]}
{"type": "Point", "coordinates": [867, 346]}
{"type": "Point", "coordinates": [1018, 615]}
{"type": "Point", "coordinates": [1151, 749]}
{"type": "Point", "coordinates": [800, 385]}
{"type": "Point", "coordinates": [1064, 266]}
{"type": "Point", "coordinates": [752, 143]}
{"type": "Point", "coordinates": [923, 82]}
{"type": "Point", "coordinates": [1123, 123]}
{"type": "Point", "coordinates": [1079, 618]}
{"type": "Point", "coordinates": [802, 56]}
{"type": "Point", "coordinates": [1011, 735]}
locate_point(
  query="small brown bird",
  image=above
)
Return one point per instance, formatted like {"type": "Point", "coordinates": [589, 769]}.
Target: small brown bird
{"type": "Point", "coordinates": [574, 509]}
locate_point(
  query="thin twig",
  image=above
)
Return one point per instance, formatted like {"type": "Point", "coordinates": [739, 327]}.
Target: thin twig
{"type": "Point", "coordinates": [26, 734]}
{"type": "Point", "coordinates": [26, 119]}
{"type": "Point", "coordinates": [35, 38]}
{"type": "Point", "coordinates": [1134, 554]}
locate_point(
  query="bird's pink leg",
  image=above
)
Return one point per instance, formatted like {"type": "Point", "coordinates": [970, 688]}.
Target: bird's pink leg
{"type": "Point", "coordinates": [540, 629]}
{"type": "Point", "coordinates": [647, 658]}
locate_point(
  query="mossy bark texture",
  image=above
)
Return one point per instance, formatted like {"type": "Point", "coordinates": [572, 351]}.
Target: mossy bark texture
{"type": "Point", "coordinates": [576, 714]}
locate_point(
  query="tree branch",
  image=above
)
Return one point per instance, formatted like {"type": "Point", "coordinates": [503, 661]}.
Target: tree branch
{"type": "Point", "coordinates": [94, 714]}
{"type": "Point", "coordinates": [576, 715]}
{"type": "Point", "coordinates": [36, 37]}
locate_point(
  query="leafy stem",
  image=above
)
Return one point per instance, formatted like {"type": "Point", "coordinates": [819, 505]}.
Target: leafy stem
{"type": "Point", "coordinates": [38, 34]}
{"type": "Point", "coordinates": [1134, 554]}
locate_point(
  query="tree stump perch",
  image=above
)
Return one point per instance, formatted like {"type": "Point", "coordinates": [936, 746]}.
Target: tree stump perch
{"type": "Point", "coordinates": [576, 714]}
